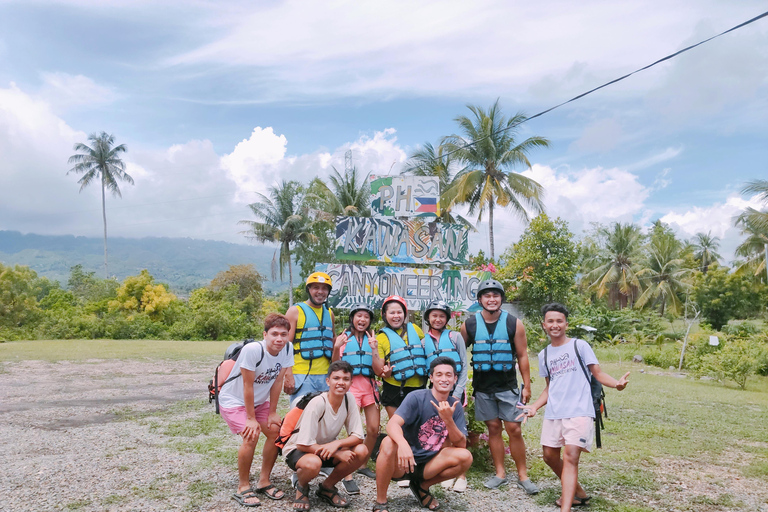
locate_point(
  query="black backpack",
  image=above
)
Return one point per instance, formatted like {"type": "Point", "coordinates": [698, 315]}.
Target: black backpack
{"type": "Point", "coordinates": [222, 374]}
{"type": "Point", "coordinates": [598, 394]}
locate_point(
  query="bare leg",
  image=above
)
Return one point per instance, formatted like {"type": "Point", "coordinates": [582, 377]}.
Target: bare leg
{"type": "Point", "coordinates": [372, 420]}
{"type": "Point", "coordinates": [496, 445]}
{"type": "Point", "coordinates": [517, 448]}
{"type": "Point", "coordinates": [244, 461]}
{"type": "Point", "coordinates": [390, 410]}
{"type": "Point", "coordinates": [343, 469]}
{"type": "Point", "coordinates": [268, 458]}
{"type": "Point", "coordinates": [386, 468]}
{"type": "Point", "coordinates": [553, 460]}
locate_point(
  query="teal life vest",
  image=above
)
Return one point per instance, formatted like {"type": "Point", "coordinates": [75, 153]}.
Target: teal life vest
{"type": "Point", "coordinates": [492, 352]}
{"type": "Point", "coordinates": [359, 355]}
{"type": "Point", "coordinates": [315, 338]}
{"type": "Point", "coordinates": [407, 359]}
{"type": "Point", "coordinates": [445, 347]}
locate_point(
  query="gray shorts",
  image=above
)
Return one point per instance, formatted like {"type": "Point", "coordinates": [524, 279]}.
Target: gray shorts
{"type": "Point", "coordinates": [501, 405]}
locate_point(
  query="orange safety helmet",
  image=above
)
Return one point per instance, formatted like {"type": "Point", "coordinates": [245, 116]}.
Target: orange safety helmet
{"type": "Point", "coordinates": [394, 298]}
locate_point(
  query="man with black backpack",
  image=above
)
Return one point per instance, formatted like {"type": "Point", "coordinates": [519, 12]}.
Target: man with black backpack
{"type": "Point", "coordinates": [248, 403]}
{"type": "Point", "coordinates": [569, 420]}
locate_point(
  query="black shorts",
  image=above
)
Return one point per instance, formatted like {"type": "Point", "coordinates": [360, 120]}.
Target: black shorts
{"type": "Point", "coordinates": [392, 396]}
{"type": "Point", "coordinates": [416, 475]}
{"type": "Point", "coordinates": [293, 458]}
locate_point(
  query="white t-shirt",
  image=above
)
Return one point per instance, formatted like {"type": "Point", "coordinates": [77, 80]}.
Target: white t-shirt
{"type": "Point", "coordinates": [231, 394]}
{"type": "Point", "coordinates": [570, 395]}
{"type": "Point", "coordinates": [313, 430]}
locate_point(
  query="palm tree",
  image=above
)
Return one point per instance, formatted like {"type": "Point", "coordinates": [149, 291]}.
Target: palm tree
{"type": "Point", "coordinates": [705, 248]}
{"type": "Point", "coordinates": [488, 150]}
{"type": "Point", "coordinates": [432, 162]}
{"type": "Point", "coordinates": [281, 220]}
{"type": "Point", "coordinates": [754, 224]}
{"type": "Point", "coordinates": [101, 161]}
{"type": "Point", "coordinates": [348, 194]}
{"type": "Point", "coordinates": [612, 263]}
{"type": "Point", "coordinates": [664, 275]}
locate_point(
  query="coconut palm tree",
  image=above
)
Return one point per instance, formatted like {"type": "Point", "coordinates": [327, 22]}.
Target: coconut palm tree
{"type": "Point", "coordinates": [101, 160]}
{"type": "Point", "coordinates": [664, 275]}
{"type": "Point", "coordinates": [348, 194]}
{"type": "Point", "coordinates": [611, 263]}
{"type": "Point", "coordinates": [428, 161]}
{"type": "Point", "coordinates": [489, 152]}
{"type": "Point", "coordinates": [705, 248]}
{"type": "Point", "coordinates": [281, 220]}
{"type": "Point", "coordinates": [754, 224]}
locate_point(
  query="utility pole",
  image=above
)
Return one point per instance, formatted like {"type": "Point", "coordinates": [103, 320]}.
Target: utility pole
{"type": "Point", "coordinates": [348, 162]}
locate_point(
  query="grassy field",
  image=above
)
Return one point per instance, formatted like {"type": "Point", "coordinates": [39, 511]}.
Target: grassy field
{"type": "Point", "coordinates": [670, 443]}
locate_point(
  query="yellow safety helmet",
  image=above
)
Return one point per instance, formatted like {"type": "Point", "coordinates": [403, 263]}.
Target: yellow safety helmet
{"type": "Point", "coordinates": [319, 277]}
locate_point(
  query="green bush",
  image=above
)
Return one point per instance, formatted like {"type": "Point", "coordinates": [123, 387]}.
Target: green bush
{"type": "Point", "coordinates": [737, 360]}
{"type": "Point", "coordinates": [665, 356]}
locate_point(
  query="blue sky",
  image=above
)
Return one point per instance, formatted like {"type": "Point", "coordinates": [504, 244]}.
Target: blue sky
{"type": "Point", "coordinates": [216, 101]}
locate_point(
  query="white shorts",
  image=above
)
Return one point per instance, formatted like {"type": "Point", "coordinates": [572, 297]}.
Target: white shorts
{"type": "Point", "coordinates": [569, 431]}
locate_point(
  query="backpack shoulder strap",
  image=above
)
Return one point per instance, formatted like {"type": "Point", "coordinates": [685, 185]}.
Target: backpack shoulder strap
{"type": "Point", "coordinates": [546, 363]}
{"type": "Point", "coordinates": [581, 361]}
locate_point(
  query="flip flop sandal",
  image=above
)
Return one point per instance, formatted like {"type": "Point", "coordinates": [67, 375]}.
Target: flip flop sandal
{"type": "Point", "coordinates": [271, 495]}
{"type": "Point", "coordinates": [327, 496]}
{"type": "Point", "coordinates": [351, 487]}
{"type": "Point", "coordinates": [422, 494]}
{"type": "Point", "coordinates": [240, 497]}
{"type": "Point", "coordinates": [577, 502]}
{"type": "Point", "coordinates": [303, 493]}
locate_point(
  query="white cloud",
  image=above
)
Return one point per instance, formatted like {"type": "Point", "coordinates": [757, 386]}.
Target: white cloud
{"type": "Point", "coordinates": [298, 49]}
{"type": "Point", "coordinates": [63, 91]}
{"type": "Point", "coordinates": [717, 219]}
{"type": "Point", "coordinates": [578, 197]}
{"type": "Point", "coordinates": [667, 154]}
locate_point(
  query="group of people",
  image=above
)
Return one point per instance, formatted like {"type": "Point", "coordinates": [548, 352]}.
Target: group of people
{"type": "Point", "coordinates": [425, 442]}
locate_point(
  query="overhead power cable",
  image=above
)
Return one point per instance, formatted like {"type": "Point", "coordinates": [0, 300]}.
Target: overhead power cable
{"type": "Point", "coordinates": [663, 59]}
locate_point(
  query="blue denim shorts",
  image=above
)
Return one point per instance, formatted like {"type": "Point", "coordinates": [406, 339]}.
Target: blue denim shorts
{"type": "Point", "coordinates": [307, 384]}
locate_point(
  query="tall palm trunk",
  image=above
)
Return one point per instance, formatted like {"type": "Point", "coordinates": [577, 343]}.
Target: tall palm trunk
{"type": "Point", "coordinates": [490, 226]}
{"type": "Point", "coordinates": [104, 216]}
{"type": "Point", "coordinates": [290, 281]}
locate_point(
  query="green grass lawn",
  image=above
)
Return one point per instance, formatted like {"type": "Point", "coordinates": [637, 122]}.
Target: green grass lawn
{"type": "Point", "coordinates": [664, 435]}
{"type": "Point", "coordinates": [80, 350]}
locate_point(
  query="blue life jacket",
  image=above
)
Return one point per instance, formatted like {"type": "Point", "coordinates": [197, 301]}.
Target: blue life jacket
{"type": "Point", "coordinates": [407, 359]}
{"type": "Point", "coordinates": [445, 347]}
{"type": "Point", "coordinates": [359, 355]}
{"type": "Point", "coordinates": [315, 338]}
{"type": "Point", "coordinates": [492, 352]}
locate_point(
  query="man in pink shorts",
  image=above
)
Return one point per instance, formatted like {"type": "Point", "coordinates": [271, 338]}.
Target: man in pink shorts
{"type": "Point", "coordinates": [248, 404]}
{"type": "Point", "coordinates": [569, 418]}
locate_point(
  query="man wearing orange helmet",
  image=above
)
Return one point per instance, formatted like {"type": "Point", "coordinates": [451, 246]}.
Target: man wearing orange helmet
{"type": "Point", "coordinates": [312, 335]}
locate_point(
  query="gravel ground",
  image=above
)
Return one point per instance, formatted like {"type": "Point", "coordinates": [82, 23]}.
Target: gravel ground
{"type": "Point", "coordinates": [104, 435]}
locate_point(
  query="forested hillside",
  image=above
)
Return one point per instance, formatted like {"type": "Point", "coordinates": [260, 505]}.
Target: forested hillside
{"type": "Point", "coordinates": [182, 263]}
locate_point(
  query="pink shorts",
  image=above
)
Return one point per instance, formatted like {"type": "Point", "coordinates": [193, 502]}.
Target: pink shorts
{"type": "Point", "coordinates": [235, 416]}
{"type": "Point", "coordinates": [568, 431]}
{"type": "Point", "coordinates": [364, 390]}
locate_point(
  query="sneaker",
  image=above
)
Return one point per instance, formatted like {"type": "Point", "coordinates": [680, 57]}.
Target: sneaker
{"type": "Point", "coordinates": [495, 482]}
{"type": "Point", "coordinates": [460, 485]}
{"type": "Point", "coordinates": [447, 484]}
{"type": "Point", "coordinates": [351, 487]}
{"type": "Point", "coordinates": [528, 486]}
{"type": "Point", "coordinates": [294, 480]}
{"type": "Point", "coordinates": [326, 471]}
{"type": "Point", "coordinates": [403, 483]}
{"type": "Point", "coordinates": [369, 473]}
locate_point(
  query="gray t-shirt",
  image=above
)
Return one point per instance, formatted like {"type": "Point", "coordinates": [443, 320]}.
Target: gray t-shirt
{"type": "Point", "coordinates": [570, 395]}
{"type": "Point", "coordinates": [313, 430]}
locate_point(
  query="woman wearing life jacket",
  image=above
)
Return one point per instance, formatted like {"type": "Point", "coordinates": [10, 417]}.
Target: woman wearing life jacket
{"type": "Point", "coordinates": [400, 358]}
{"type": "Point", "coordinates": [440, 341]}
{"type": "Point", "coordinates": [356, 346]}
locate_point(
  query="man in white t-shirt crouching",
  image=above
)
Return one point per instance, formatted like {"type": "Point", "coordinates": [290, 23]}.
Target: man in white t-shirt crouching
{"type": "Point", "coordinates": [569, 418]}
{"type": "Point", "coordinates": [248, 404]}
